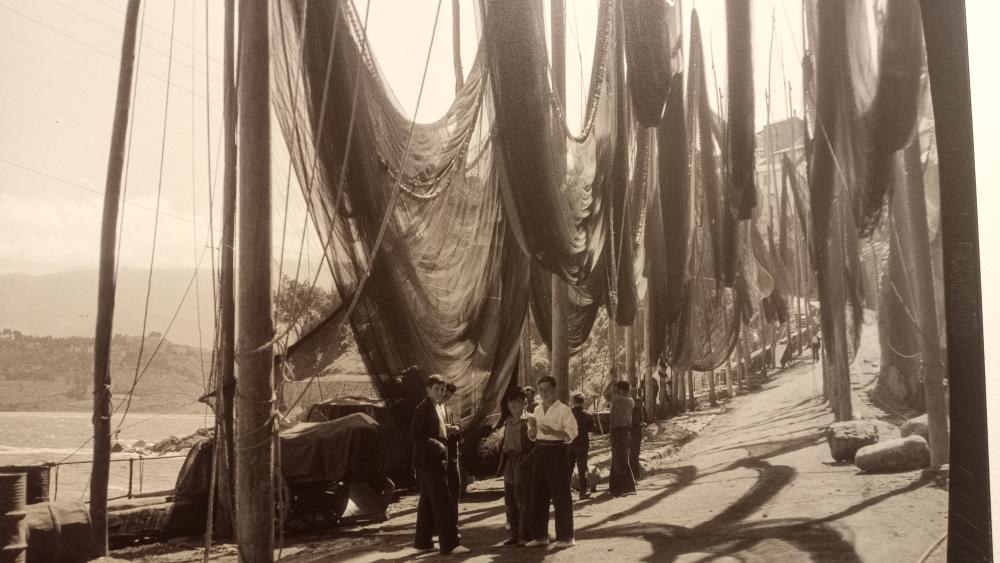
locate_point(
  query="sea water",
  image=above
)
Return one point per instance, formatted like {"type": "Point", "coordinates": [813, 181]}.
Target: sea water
{"type": "Point", "coordinates": [28, 438]}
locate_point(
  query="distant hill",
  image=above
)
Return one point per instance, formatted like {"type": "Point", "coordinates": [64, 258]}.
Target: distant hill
{"type": "Point", "coordinates": [54, 374]}
{"type": "Point", "coordinates": [65, 304]}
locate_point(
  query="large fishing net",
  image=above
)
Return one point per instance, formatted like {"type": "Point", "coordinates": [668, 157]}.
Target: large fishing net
{"type": "Point", "coordinates": [411, 214]}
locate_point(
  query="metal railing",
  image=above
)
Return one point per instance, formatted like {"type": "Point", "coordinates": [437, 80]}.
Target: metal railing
{"type": "Point", "coordinates": [131, 491]}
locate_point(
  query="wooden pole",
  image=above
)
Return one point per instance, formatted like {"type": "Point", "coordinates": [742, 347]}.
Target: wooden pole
{"type": "Point", "coordinates": [744, 358]}
{"type": "Point", "coordinates": [650, 368]}
{"type": "Point", "coordinates": [711, 387]}
{"type": "Point", "coordinates": [527, 374]}
{"type": "Point", "coordinates": [560, 291]}
{"type": "Point", "coordinates": [101, 467]}
{"type": "Point", "coordinates": [225, 377]}
{"type": "Point", "coordinates": [729, 378]}
{"type": "Point", "coordinates": [456, 45]}
{"type": "Point", "coordinates": [678, 378]}
{"type": "Point", "coordinates": [910, 213]}
{"type": "Point", "coordinates": [254, 385]}
{"type": "Point", "coordinates": [630, 359]}
{"type": "Point", "coordinates": [690, 389]}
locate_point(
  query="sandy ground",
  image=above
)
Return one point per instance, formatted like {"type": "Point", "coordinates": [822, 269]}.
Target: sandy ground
{"type": "Point", "coordinates": [756, 484]}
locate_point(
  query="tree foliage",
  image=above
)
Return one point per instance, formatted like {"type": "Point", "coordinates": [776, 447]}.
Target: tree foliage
{"type": "Point", "coordinates": [301, 306]}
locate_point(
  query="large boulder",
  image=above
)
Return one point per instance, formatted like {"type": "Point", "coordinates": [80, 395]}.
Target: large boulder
{"type": "Point", "coordinates": [903, 454]}
{"type": "Point", "coordinates": [915, 427]}
{"type": "Point", "coordinates": [846, 438]}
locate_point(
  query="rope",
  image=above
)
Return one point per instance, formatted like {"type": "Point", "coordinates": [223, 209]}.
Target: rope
{"type": "Point", "coordinates": [128, 149]}
{"type": "Point", "coordinates": [194, 215]}
{"type": "Point", "coordinates": [139, 375]}
{"type": "Point", "coordinates": [156, 220]}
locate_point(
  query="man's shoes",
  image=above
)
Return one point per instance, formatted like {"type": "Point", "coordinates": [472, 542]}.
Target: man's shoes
{"type": "Point", "coordinates": [584, 496]}
{"type": "Point", "coordinates": [561, 544]}
{"type": "Point", "coordinates": [537, 543]}
{"type": "Point", "coordinates": [457, 550]}
{"type": "Point", "coordinates": [510, 542]}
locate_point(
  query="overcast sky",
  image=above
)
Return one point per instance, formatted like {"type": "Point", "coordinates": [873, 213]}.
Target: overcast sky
{"type": "Point", "coordinates": [59, 68]}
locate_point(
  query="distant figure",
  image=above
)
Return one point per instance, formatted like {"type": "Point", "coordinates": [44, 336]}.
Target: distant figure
{"type": "Point", "coordinates": [635, 434]}
{"type": "Point", "coordinates": [656, 395]}
{"type": "Point", "coordinates": [552, 427]}
{"type": "Point", "coordinates": [515, 468]}
{"type": "Point", "coordinates": [786, 356]}
{"type": "Point", "coordinates": [816, 344]}
{"type": "Point", "coordinates": [621, 481]}
{"type": "Point", "coordinates": [529, 399]}
{"type": "Point", "coordinates": [579, 450]}
{"type": "Point", "coordinates": [435, 509]}
{"type": "Point", "coordinates": [454, 441]}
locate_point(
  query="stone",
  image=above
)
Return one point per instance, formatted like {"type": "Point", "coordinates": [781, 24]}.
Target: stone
{"type": "Point", "coordinates": [903, 454]}
{"type": "Point", "coordinates": [915, 427]}
{"type": "Point", "coordinates": [846, 438]}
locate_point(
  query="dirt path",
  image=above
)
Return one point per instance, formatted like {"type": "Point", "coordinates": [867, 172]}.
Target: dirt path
{"type": "Point", "coordinates": [756, 484]}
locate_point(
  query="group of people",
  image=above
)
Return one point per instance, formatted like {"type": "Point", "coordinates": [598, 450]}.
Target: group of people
{"type": "Point", "coordinates": [542, 443]}
{"type": "Point", "coordinates": [435, 459]}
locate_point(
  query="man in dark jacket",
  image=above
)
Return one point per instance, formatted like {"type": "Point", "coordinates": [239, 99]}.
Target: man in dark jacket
{"type": "Point", "coordinates": [580, 448]}
{"type": "Point", "coordinates": [435, 509]}
{"type": "Point", "coordinates": [635, 434]}
{"type": "Point", "coordinates": [453, 443]}
{"type": "Point", "coordinates": [621, 480]}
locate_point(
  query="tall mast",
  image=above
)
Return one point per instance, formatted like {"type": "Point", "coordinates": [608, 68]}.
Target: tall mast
{"type": "Point", "coordinates": [106, 289]}
{"type": "Point", "coordinates": [560, 291]}
{"type": "Point", "coordinates": [225, 378]}
{"type": "Point", "coordinates": [254, 386]}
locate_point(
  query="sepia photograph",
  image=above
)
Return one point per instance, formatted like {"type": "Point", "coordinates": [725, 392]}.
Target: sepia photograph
{"type": "Point", "coordinates": [497, 280]}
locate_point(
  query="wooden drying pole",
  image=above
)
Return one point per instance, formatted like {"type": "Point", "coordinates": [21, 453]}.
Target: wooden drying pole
{"type": "Point", "coordinates": [254, 386]}
{"type": "Point", "coordinates": [101, 466]}
{"type": "Point", "coordinates": [630, 359]}
{"type": "Point", "coordinates": [560, 291]}
{"type": "Point", "coordinates": [456, 45]}
{"type": "Point", "coordinates": [909, 211]}
{"type": "Point", "coordinates": [650, 366]}
{"type": "Point", "coordinates": [225, 384]}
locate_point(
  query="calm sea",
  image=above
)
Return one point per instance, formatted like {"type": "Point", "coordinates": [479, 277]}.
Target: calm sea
{"type": "Point", "coordinates": [40, 437]}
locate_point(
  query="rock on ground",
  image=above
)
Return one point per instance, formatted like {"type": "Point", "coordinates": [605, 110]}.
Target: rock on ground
{"type": "Point", "coordinates": [846, 438]}
{"type": "Point", "coordinates": [915, 427]}
{"type": "Point", "coordinates": [903, 454]}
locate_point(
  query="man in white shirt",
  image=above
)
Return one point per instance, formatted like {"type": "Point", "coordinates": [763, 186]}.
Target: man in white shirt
{"type": "Point", "coordinates": [552, 427]}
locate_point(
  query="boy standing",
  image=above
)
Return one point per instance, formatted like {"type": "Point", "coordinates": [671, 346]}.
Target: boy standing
{"type": "Point", "coordinates": [621, 480]}
{"type": "Point", "coordinates": [515, 467]}
{"type": "Point", "coordinates": [580, 448]}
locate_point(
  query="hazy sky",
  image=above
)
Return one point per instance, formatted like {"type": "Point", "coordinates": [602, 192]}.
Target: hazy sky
{"type": "Point", "coordinates": [59, 67]}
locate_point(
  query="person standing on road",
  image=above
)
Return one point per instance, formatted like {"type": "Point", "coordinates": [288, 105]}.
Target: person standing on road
{"type": "Point", "coordinates": [553, 428]}
{"type": "Point", "coordinates": [453, 443]}
{"type": "Point", "coordinates": [635, 434]}
{"type": "Point", "coordinates": [621, 481]}
{"type": "Point", "coordinates": [579, 450]}
{"type": "Point", "coordinates": [515, 468]}
{"type": "Point", "coordinates": [817, 342]}
{"type": "Point", "coordinates": [435, 510]}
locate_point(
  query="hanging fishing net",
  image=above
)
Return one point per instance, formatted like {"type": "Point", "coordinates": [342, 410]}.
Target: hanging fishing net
{"type": "Point", "coordinates": [653, 48]}
{"type": "Point", "coordinates": [410, 214]}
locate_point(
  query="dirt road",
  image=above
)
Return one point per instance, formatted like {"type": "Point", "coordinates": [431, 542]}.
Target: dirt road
{"type": "Point", "coordinates": [756, 484]}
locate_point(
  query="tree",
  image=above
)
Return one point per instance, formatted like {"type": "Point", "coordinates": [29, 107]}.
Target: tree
{"type": "Point", "coordinates": [301, 306]}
